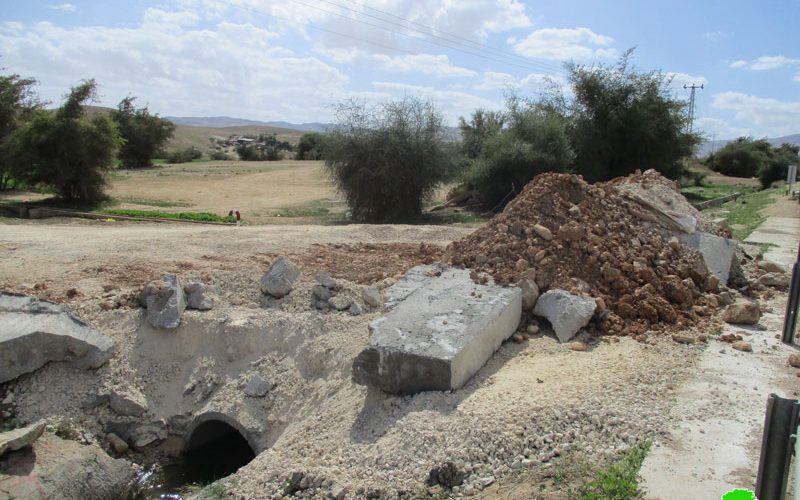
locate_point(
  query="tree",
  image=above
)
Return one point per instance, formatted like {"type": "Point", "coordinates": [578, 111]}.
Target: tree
{"type": "Point", "coordinates": [482, 126]}
{"type": "Point", "coordinates": [623, 121]}
{"type": "Point", "coordinates": [17, 105]}
{"type": "Point", "coordinates": [311, 146]}
{"type": "Point", "coordinates": [388, 159]}
{"type": "Point", "coordinates": [535, 140]}
{"type": "Point", "coordinates": [143, 134]}
{"type": "Point", "coordinates": [743, 157]}
{"type": "Point", "coordinates": [66, 151]}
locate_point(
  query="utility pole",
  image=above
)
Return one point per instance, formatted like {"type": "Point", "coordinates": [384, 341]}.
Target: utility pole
{"type": "Point", "coordinates": [692, 87]}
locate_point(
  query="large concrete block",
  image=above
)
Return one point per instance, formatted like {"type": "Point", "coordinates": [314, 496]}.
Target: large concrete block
{"type": "Point", "coordinates": [718, 252]}
{"type": "Point", "coordinates": [439, 335]}
{"type": "Point", "coordinates": [34, 332]}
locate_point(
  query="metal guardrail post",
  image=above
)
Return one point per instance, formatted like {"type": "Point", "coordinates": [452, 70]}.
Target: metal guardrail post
{"type": "Point", "coordinates": [780, 424]}
{"type": "Point", "coordinates": [792, 304]}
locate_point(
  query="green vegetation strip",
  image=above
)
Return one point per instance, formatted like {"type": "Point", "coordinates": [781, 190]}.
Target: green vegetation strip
{"type": "Point", "coordinates": [705, 193]}
{"type": "Point", "coordinates": [620, 481]}
{"type": "Point", "coordinates": [194, 216]}
{"type": "Point", "coordinates": [744, 214]}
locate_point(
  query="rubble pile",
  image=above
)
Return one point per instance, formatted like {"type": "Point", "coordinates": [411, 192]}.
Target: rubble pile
{"type": "Point", "coordinates": [594, 240]}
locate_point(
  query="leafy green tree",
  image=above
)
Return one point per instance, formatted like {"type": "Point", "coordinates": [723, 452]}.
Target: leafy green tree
{"type": "Point", "coordinates": [66, 151]}
{"type": "Point", "coordinates": [17, 105]}
{"type": "Point", "coordinates": [743, 157]}
{"type": "Point", "coordinates": [311, 146]}
{"type": "Point", "coordinates": [623, 121]}
{"type": "Point", "coordinates": [143, 134]}
{"type": "Point", "coordinates": [535, 140]}
{"type": "Point", "coordinates": [387, 159]}
{"type": "Point", "coordinates": [482, 126]}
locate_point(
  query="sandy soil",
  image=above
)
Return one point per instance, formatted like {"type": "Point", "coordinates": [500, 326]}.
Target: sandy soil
{"type": "Point", "coordinates": [783, 206]}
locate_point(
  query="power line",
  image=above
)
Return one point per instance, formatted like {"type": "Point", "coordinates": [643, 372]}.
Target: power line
{"type": "Point", "coordinates": [453, 38]}
{"type": "Point", "coordinates": [530, 66]}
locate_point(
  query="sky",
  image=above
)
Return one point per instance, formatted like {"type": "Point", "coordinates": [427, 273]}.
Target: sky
{"type": "Point", "coordinates": [293, 60]}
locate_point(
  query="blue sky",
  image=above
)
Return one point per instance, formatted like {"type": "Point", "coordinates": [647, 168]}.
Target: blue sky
{"type": "Point", "coordinates": [293, 59]}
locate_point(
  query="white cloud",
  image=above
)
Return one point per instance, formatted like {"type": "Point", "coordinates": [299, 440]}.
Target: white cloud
{"type": "Point", "coordinates": [768, 116]}
{"type": "Point", "coordinates": [765, 63]}
{"type": "Point", "coordinates": [796, 78]}
{"type": "Point", "coordinates": [64, 7]}
{"type": "Point", "coordinates": [717, 129]}
{"type": "Point", "coordinates": [157, 18]}
{"type": "Point", "coordinates": [492, 81]}
{"type": "Point", "coordinates": [452, 103]}
{"type": "Point", "coordinates": [715, 36]}
{"type": "Point", "coordinates": [681, 79]}
{"type": "Point", "coordinates": [427, 64]}
{"type": "Point", "coordinates": [566, 43]}
{"type": "Point", "coordinates": [226, 69]}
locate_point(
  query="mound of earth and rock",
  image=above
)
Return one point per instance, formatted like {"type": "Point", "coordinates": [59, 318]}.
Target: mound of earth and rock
{"type": "Point", "coordinates": [618, 242]}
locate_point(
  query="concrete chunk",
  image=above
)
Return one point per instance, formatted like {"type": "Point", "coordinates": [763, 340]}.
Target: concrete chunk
{"type": "Point", "coordinates": [35, 332]}
{"type": "Point", "coordinates": [165, 302]}
{"type": "Point", "coordinates": [279, 279]}
{"type": "Point", "coordinates": [567, 313]}
{"type": "Point", "coordinates": [439, 335]}
{"type": "Point", "coordinates": [718, 252]}
{"type": "Point", "coordinates": [17, 439]}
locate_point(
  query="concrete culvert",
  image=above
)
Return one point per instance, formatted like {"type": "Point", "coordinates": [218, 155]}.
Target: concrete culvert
{"type": "Point", "coordinates": [216, 446]}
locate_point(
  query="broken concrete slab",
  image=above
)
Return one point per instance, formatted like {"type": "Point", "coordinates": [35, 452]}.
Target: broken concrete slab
{"type": "Point", "coordinates": [439, 335]}
{"type": "Point", "coordinates": [59, 468]}
{"type": "Point", "coordinates": [718, 252]}
{"type": "Point", "coordinates": [662, 201]}
{"type": "Point", "coordinates": [17, 439]}
{"type": "Point", "coordinates": [567, 313]}
{"type": "Point", "coordinates": [131, 403]}
{"type": "Point", "coordinates": [165, 302]}
{"type": "Point", "coordinates": [36, 332]}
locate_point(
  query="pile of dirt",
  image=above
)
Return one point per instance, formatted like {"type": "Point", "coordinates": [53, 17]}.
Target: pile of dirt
{"type": "Point", "coordinates": [592, 239]}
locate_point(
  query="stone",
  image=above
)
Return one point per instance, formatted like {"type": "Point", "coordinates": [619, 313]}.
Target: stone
{"type": "Point", "coordinates": [771, 267]}
{"type": "Point", "coordinates": [130, 403]}
{"type": "Point", "coordinates": [340, 302]}
{"type": "Point", "coordinates": [718, 252]}
{"type": "Point", "coordinates": [578, 346]}
{"type": "Point", "coordinates": [566, 312]}
{"type": "Point", "coordinates": [177, 424]}
{"type": "Point", "coordinates": [327, 282]}
{"type": "Point", "coordinates": [775, 280]}
{"type": "Point", "coordinates": [355, 309]}
{"type": "Point", "coordinates": [674, 243]}
{"type": "Point", "coordinates": [280, 277]}
{"type": "Point", "coordinates": [321, 293]}
{"type": "Point", "coordinates": [165, 302]}
{"type": "Point", "coordinates": [138, 434]}
{"type": "Point", "coordinates": [36, 332]}
{"type": "Point", "coordinates": [372, 296]}
{"type": "Point", "coordinates": [532, 329]}
{"type": "Point", "coordinates": [530, 293]}
{"type": "Point", "coordinates": [20, 438]}
{"type": "Point", "coordinates": [684, 338]}
{"type": "Point", "coordinates": [742, 313]}
{"type": "Point", "coordinates": [794, 360]}
{"type": "Point", "coordinates": [257, 387]}
{"type": "Point", "coordinates": [59, 468]}
{"type": "Point", "coordinates": [439, 335]}
{"type": "Point", "coordinates": [543, 232]}
{"type": "Point", "coordinates": [447, 475]}
{"type": "Point", "coordinates": [338, 492]}
{"type": "Point", "coordinates": [200, 296]}
{"type": "Point", "coordinates": [117, 443]}
{"type": "Point", "coordinates": [741, 345]}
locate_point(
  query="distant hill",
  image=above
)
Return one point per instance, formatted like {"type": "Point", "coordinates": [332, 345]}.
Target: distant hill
{"type": "Point", "coordinates": [708, 147]}
{"type": "Point", "coordinates": [227, 121]}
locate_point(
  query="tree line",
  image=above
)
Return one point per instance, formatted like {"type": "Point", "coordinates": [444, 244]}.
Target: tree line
{"type": "Point", "coordinates": [748, 157]}
{"type": "Point", "coordinates": [611, 121]}
{"type": "Point", "coordinates": [67, 150]}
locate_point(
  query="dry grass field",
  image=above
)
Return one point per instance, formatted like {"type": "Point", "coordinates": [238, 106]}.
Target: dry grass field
{"type": "Point", "coordinates": [262, 191]}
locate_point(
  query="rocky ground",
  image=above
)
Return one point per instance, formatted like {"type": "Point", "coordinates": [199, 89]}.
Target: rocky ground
{"type": "Point", "coordinates": [536, 409]}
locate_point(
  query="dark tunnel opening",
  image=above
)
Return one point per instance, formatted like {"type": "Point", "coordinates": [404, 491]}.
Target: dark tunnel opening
{"type": "Point", "coordinates": [214, 450]}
